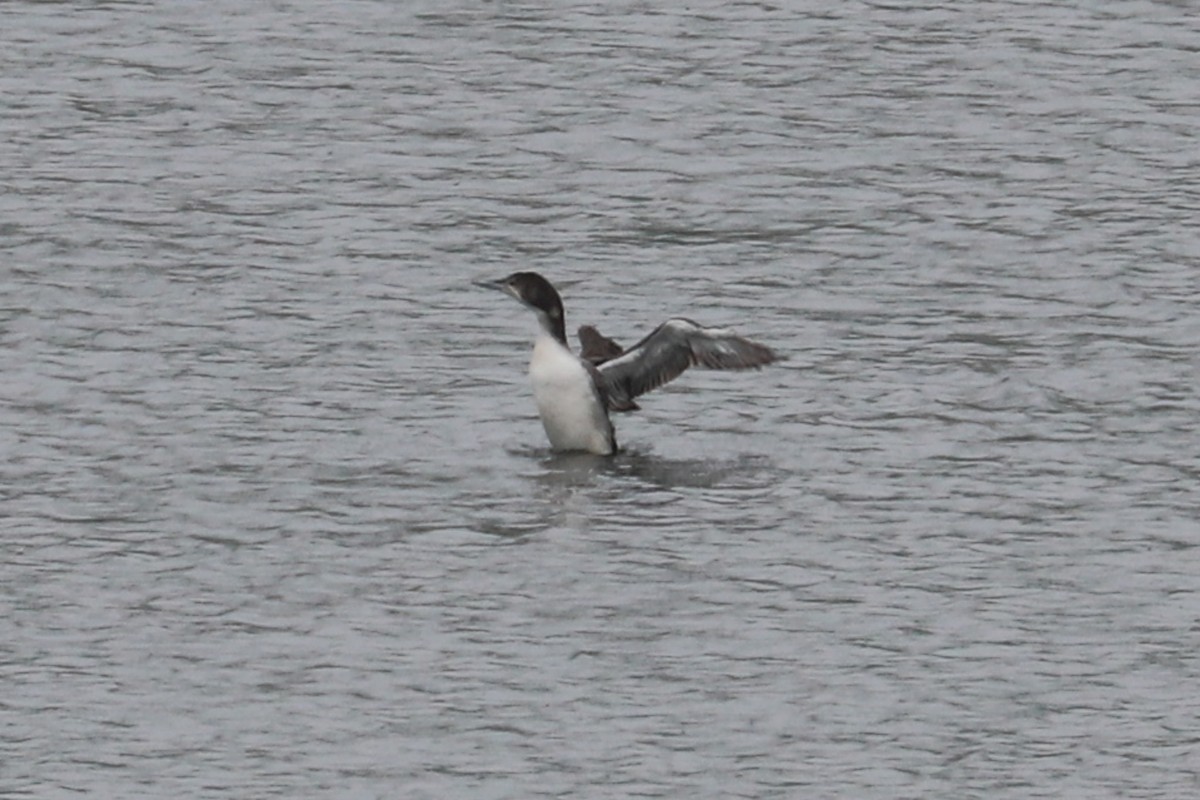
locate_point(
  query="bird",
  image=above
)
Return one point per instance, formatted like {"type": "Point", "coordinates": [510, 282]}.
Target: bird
{"type": "Point", "coordinates": [575, 393]}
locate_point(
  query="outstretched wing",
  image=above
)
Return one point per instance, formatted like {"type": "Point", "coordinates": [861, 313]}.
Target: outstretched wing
{"type": "Point", "coordinates": [669, 350]}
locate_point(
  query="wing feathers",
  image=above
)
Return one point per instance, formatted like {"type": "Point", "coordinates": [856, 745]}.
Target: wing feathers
{"type": "Point", "coordinates": [669, 350]}
{"type": "Point", "coordinates": [595, 347]}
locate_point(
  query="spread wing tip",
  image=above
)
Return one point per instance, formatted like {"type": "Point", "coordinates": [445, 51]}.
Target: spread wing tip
{"type": "Point", "coordinates": [725, 350]}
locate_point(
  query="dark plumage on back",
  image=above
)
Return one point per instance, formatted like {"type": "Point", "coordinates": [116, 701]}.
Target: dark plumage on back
{"type": "Point", "coordinates": [669, 350]}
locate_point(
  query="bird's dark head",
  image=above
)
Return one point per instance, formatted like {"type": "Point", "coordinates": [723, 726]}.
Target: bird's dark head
{"type": "Point", "coordinates": [531, 289]}
{"type": "Point", "coordinates": [536, 292]}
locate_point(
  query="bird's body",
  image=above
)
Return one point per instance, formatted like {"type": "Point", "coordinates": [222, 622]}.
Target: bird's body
{"type": "Point", "coordinates": [575, 394]}
{"type": "Point", "coordinates": [573, 412]}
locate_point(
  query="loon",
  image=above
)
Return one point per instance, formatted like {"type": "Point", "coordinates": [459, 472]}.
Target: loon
{"type": "Point", "coordinates": [574, 394]}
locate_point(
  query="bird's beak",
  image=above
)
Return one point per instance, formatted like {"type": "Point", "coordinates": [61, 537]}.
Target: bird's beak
{"type": "Point", "coordinates": [497, 284]}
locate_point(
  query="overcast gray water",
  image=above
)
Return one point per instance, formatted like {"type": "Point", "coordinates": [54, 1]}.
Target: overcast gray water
{"type": "Point", "coordinates": [277, 516]}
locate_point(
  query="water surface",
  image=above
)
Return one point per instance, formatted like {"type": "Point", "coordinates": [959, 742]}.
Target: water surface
{"type": "Point", "coordinates": [279, 519]}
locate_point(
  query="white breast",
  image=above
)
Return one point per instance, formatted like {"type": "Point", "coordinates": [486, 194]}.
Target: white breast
{"type": "Point", "coordinates": [571, 411]}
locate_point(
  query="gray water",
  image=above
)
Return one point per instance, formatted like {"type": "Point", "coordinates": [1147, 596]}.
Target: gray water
{"type": "Point", "coordinates": [279, 520]}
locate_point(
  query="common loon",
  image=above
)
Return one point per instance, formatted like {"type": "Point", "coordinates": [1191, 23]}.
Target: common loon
{"type": "Point", "coordinates": [574, 394]}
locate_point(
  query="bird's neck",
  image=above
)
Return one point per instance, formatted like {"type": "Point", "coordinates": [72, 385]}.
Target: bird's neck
{"type": "Point", "coordinates": [554, 325]}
